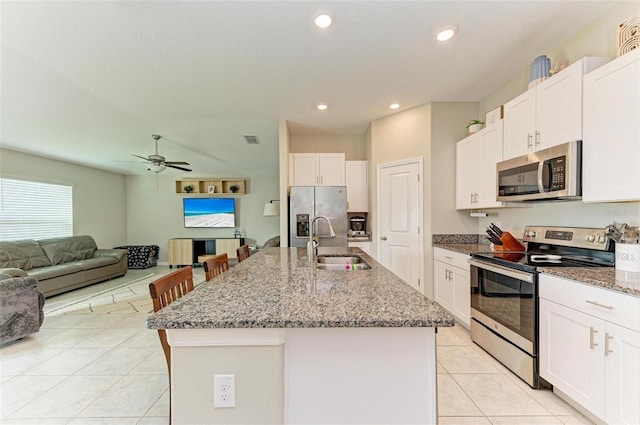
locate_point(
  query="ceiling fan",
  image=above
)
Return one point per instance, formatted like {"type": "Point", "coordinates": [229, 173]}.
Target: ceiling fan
{"type": "Point", "coordinates": [157, 162]}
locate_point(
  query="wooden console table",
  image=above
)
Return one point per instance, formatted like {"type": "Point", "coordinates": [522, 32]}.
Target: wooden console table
{"type": "Point", "coordinates": [185, 251]}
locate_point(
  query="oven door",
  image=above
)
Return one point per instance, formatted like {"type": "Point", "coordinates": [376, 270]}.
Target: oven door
{"type": "Point", "coordinates": [505, 300]}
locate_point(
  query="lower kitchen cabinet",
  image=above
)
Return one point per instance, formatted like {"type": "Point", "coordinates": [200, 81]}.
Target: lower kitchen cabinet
{"type": "Point", "coordinates": [590, 347]}
{"type": "Point", "coordinates": [451, 285]}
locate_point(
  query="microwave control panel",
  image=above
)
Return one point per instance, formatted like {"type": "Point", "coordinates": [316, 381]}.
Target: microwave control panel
{"type": "Point", "coordinates": [558, 173]}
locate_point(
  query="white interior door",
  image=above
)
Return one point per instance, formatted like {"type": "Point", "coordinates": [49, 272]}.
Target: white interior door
{"type": "Point", "coordinates": [400, 220]}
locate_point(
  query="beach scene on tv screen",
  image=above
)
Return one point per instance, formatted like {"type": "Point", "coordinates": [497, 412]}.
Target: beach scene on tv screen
{"type": "Point", "coordinates": [209, 213]}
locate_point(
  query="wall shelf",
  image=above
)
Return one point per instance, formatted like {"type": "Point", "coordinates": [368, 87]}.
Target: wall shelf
{"type": "Point", "coordinates": [220, 186]}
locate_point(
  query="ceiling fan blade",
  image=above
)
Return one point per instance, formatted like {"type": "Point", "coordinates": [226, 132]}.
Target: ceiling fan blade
{"type": "Point", "coordinates": [177, 168]}
{"type": "Point", "coordinates": [141, 157]}
{"type": "Point", "coordinates": [176, 163]}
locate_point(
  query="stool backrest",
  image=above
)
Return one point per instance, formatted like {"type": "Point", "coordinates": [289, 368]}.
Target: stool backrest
{"type": "Point", "coordinates": [215, 265]}
{"type": "Point", "coordinates": [243, 253]}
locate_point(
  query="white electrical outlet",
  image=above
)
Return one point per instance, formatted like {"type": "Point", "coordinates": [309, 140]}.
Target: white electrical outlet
{"type": "Point", "coordinates": [224, 391]}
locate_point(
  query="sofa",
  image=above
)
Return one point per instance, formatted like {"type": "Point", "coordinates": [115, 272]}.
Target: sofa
{"type": "Point", "coordinates": [21, 306]}
{"type": "Point", "coordinates": [62, 264]}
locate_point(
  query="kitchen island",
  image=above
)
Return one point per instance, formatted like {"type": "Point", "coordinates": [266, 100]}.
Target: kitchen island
{"type": "Point", "coordinates": [304, 345]}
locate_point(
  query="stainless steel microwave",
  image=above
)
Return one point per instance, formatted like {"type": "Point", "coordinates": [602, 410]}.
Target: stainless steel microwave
{"type": "Point", "coordinates": [552, 173]}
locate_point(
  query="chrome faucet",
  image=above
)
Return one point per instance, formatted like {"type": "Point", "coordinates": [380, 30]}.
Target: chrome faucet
{"type": "Point", "coordinates": [312, 245]}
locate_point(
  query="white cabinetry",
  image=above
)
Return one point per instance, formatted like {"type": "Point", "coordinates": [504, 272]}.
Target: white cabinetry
{"type": "Point", "coordinates": [317, 169]}
{"type": "Point", "coordinates": [590, 347]}
{"type": "Point", "coordinates": [357, 189]}
{"type": "Point", "coordinates": [548, 114]}
{"type": "Point", "coordinates": [476, 158]}
{"type": "Point", "coordinates": [611, 147]}
{"type": "Point", "coordinates": [451, 283]}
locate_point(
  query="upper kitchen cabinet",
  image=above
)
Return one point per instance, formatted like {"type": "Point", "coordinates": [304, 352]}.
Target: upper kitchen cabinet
{"type": "Point", "coordinates": [317, 169]}
{"type": "Point", "coordinates": [548, 114]}
{"type": "Point", "coordinates": [357, 189]}
{"type": "Point", "coordinates": [611, 145]}
{"type": "Point", "coordinates": [476, 159]}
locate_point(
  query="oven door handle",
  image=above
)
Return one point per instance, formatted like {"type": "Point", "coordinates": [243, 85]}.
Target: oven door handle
{"type": "Point", "coordinates": [524, 276]}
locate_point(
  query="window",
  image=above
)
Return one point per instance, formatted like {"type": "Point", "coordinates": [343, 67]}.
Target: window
{"type": "Point", "coordinates": [34, 210]}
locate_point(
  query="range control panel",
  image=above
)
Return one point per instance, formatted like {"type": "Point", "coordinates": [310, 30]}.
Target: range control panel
{"type": "Point", "coordinates": [579, 237]}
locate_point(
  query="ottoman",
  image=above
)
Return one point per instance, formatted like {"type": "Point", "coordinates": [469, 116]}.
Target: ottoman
{"type": "Point", "coordinates": [141, 256]}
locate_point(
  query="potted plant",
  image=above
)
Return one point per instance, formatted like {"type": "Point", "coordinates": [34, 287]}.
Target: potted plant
{"type": "Point", "coordinates": [474, 126]}
{"type": "Point", "coordinates": [233, 188]}
{"type": "Point", "coordinates": [188, 188]}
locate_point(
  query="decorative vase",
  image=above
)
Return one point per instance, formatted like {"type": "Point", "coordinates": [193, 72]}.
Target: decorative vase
{"type": "Point", "coordinates": [474, 128]}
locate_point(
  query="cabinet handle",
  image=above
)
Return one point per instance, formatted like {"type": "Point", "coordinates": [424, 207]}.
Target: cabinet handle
{"type": "Point", "coordinates": [529, 138]}
{"type": "Point", "coordinates": [448, 258]}
{"type": "Point", "coordinates": [537, 138]}
{"type": "Point", "coordinates": [607, 337]}
{"type": "Point", "coordinates": [592, 333]}
{"type": "Point", "coordinates": [596, 303]}
{"type": "Point", "coordinates": [476, 195]}
{"type": "Point", "coordinates": [471, 196]}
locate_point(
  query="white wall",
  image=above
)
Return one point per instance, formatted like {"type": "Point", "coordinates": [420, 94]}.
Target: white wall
{"type": "Point", "coordinates": [154, 211]}
{"type": "Point", "coordinates": [98, 196]}
{"type": "Point", "coordinates": [353, 145]}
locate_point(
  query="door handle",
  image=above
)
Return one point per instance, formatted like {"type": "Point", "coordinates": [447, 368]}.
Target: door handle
{"type": "Point", "coordinates": [607, 338]}
{"type": "Point", "coordinates": [383, 238]}
{"type": "Point", "coordinates": [592, 333]}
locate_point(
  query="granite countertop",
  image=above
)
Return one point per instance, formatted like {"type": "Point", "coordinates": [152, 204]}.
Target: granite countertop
{"type": "Point", "coordinates": [276, 288]}
{"type": "Point", "coordinates": [604, 277]}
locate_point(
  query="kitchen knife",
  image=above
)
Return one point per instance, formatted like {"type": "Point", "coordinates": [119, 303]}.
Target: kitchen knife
{"type": "Point", "coordinates": [493, 234]}
{"type": "Point", "coordinates": [496, 229]}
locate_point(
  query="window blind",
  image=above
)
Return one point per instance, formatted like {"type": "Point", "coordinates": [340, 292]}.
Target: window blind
{"type": "Point", "coordinates": [34, 210]}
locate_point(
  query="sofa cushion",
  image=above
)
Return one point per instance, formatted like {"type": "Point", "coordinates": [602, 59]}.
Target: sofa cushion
{"type": "Point", "coordinates": [66, 250]}
{"type": "Point", "coordinates": [25, 254]}
{"type": "Point", "coordinates": [44, 273]}
{"type": "Point", "coordinates": [94, 263]}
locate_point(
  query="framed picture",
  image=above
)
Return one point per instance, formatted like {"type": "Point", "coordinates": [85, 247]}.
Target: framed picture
{"type": "Point", "coordinates": [211, 189]}
{"type": "Point", "coordinates": [493, 115]}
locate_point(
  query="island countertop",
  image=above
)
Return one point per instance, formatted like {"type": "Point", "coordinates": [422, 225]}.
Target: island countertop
{"type": "Point", "coordinates": [277, 288]}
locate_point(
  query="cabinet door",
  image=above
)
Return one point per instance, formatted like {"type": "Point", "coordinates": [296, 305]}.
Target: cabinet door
{"type": "Point", "coordinates": [442, 285]}
{"type": "Point", "coordinates": [462, 295]}
{"type": "Point", "coordinates": [227, 246]}
{"type": "Point", "coordinates": [365, 246]}
{"type": "Point", "coordinates": [331, 169]}
{"type": "Point", "coordinates": [622, 375]}
{"type": "Point", "coordinates": [356, 180]}
{"type": "Point", "coordinates": [559, 108]}
{"type": "Point", "coordinates": [468, 157]}
{"type": "Point", "coordinates": [611, 152]}
{"type": "Point", "coordinates": [306, 169]}
{"type": "Point", "coordinates": [519, 124]}
{"type": "Point", "coordinates": [490, 143]}
{"type": "Point", "coordinates": [180, 252]}
{"type": "Point", "coordinates": [572, 354]}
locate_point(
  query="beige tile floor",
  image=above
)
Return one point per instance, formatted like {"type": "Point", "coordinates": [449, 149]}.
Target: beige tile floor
{"type": "Point", "coordinates": [108, 369]}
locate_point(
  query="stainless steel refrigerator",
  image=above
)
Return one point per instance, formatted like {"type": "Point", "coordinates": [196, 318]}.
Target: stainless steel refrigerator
{"type": "Point", "coordinates": [306, 202]}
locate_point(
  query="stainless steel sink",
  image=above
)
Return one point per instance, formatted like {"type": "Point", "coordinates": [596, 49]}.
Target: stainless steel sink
{"type": "Point", "coordinates": [335, 259]}
{"type": "Point", "coordinates": [343, 263]}
{"type": "Point", "coordinates": [343, 267]}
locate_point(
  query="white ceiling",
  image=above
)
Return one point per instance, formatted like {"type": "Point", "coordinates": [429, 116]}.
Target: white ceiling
{"type": "Point", "coordinates": [88, 82]}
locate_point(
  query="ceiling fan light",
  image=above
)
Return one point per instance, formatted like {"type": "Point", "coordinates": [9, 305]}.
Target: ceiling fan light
{"type": "Point", "coordinates": [157, 168]}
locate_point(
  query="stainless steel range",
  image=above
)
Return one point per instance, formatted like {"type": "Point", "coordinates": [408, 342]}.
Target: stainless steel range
{"type": "Point", "coordinates": [504, 290]}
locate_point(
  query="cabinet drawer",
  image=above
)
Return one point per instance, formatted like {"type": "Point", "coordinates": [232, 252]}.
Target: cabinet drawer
{"type": "Point", "coordinates": [452, 258]}
{"type": "Point", "coordinates": [614, 307]}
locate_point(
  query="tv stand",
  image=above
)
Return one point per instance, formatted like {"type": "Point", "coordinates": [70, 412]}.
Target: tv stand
{"type": "Point", "coordinates": [185, 251]}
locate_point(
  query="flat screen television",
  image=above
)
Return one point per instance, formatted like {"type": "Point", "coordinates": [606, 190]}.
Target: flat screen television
{"type": "Point", "coordinates": [209, 212]}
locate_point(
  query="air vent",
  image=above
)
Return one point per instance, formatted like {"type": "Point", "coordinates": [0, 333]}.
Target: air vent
{"type": "Point", "coordinates": [252, 140]}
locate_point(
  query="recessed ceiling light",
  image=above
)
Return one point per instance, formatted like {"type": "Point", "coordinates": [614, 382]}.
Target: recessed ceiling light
{"type": "Point", "coordinates": [447, 32]}
{"type": "Point", "coordinates": [323, 21]}
{"type": "Point", "coordinates": [322, 106]}
{"type": "Point", "coordinates": [394, 106]}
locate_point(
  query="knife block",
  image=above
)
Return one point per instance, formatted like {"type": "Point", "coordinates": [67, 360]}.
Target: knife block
{"type": "Point", "coordinates": [509, 243]}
